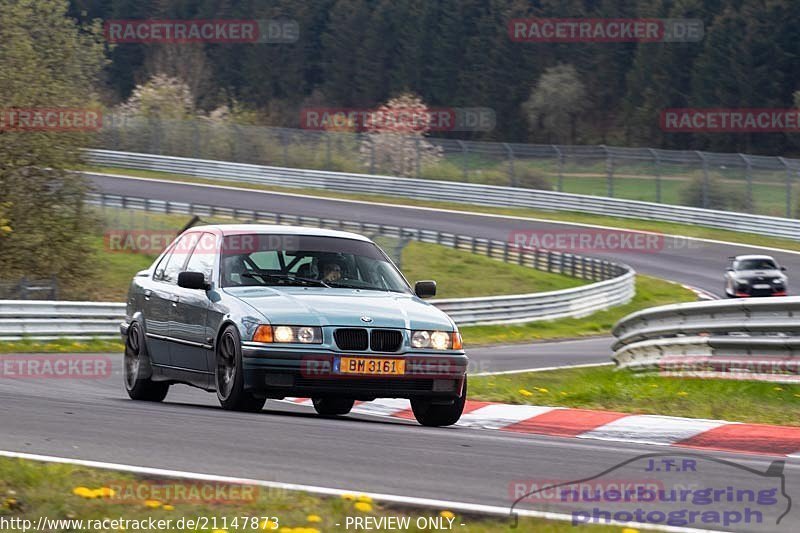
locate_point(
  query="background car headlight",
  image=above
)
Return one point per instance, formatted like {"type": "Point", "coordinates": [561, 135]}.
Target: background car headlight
{"type": "Point", "coordinates": [778, 281]}
{"type": "Point", "coordinates": [438, 340]}
{"type": "Point", "coordinates": [288, 334]}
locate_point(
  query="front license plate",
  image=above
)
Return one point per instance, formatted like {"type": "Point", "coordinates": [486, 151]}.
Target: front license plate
{"type": "Point", "coordinates": [370, 366]}
{"type": "Point", "coordinates": [762, 287]}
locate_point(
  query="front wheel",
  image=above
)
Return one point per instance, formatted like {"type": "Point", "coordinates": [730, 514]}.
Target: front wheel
{"type": "Point", "coordinates": [431, 414]}
{"type": "Point", "coordinates": [137, 371]}
{"type": "Point", "coordinates": [229, 375]}
{"type": "Point", "coordinates": [333, 406]}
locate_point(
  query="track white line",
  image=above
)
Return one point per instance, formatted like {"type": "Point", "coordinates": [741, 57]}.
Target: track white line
{"type": "Point", "coordinates": [542, 369]}
{"type": "Point", "coordinates": [452, 211]}
{"type": "Point", "coordinates": [327, 491]}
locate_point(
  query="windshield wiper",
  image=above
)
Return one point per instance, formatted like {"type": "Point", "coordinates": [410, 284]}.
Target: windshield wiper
{"type": "Point", "coordinates": [288, 277]}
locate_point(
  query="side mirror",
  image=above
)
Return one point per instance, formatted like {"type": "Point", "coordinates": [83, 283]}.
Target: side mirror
{"type": "Point", "coordinates": [192, 280]}
{"type": "Point", "coordinates": [729, 269]}
{"type": "Point", "coordinates": [425, 289]}
{"type": "Point", "coordinates": [783, 269]}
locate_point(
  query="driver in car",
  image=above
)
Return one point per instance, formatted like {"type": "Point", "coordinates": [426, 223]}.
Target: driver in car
{"type": "Point", "coordinates": [331, 271]}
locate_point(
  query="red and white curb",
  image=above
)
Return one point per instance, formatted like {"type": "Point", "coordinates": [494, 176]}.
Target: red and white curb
{"type": "Point", "coordinates": [607, 426]}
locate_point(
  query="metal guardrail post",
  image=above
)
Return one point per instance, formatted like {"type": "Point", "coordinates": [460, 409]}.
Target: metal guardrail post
{"type": "Point", "coordinates": [511, 174]}
{"type": "Point", "coordinates": [560, 155]}
{"type": "Point", "coordinates": [788, 187]}
{"type": "Point", "coordinates": [465, 154]}
{"type": "Point", "coordinates": [705, 178]}
{"type": "Point", "coordinates": [657, 167]}
{"type": "Point", "coordinates": [748, 176]}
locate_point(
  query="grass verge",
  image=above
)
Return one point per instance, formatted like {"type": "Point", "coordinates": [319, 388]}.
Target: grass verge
{"type": "Point", "coordinates": [30, 490]}
{"type": "Point", "coordinates": [668, 228]}
{"type": "Point", "coordinates": [62, 346]}
{"type": "Point", "coordinates": [609, 389]}
{"type": "Point", "coordinates": [650, 292]}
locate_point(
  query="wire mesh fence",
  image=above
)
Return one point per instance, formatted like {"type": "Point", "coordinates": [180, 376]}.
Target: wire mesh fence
{"type": "Point", "coordinates": [735, 182]}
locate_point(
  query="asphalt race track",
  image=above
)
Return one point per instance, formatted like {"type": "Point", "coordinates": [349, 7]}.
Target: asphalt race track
{"type": "Point", "coordinates": [695, 263]}
{"type": "Point", "coordinates": [94, 420]}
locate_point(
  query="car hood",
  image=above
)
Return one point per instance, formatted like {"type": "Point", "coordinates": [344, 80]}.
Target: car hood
{"type": "Point", "coordinates": [756, 274]}
{"type": "Point", "coordinates": [316, 306]}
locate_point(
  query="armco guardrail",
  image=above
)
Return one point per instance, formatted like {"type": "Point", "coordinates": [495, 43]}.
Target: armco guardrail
{"type": "Point", "coordinates": [427, 189]}
{"type": "Point", "coordinates": [744, 339]}
{"type": "Point", "coordinates": [52, 319]}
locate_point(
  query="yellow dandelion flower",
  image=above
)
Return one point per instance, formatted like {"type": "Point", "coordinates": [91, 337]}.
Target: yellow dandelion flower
{"type": "Point", "coordinates": [542, 389]}
{"type": "Point", "coordinates": [564, 393]}
{"type": "Point", "coordinates": [314, 518]}
{"type": "Point", "coordinates": [777, 388]}
{"type": "Point", "coordinates": [83, 492]}
{"type": "Point", "coordinates": [364, 498]}
{"type": "Point", "coordinates": [169, 507]}
{"type": "Point", "coordinates": [152, 504]}
{"type": "Point", "coordinates": [654, 385]}
{"type": "Point", "coordinates": [447, 514]}
{"type": "Point", "coordinates": [364, 507]}
{"type": "Point", "coordinates": [629, 530]}
{"type": "Point", "coordinates": [220, 531]}
{"type": "Point", "coordinates": [269, 525]}
{"type": "Point", "coordinates": [683, 393]}
{"type": "Point", "coordinates": [106, 492]}
{"type": "Point", "coordinates": [525, 392]}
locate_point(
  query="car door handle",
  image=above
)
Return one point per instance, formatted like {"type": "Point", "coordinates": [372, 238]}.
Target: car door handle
{"type": "Point", "coordinates": [147, 294]}
{"type": "Point", "coordinates": [174, 299]}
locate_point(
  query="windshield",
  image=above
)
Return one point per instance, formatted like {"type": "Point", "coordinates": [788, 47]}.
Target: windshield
{"type": "Point", "coordinates": [301, 260]}
{"type": "Point", "coordinates": [756, 264]}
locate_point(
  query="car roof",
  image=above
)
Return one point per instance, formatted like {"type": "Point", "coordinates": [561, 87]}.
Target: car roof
{"type": "Point", "coordinates": [742, 257]}
{"type": "Point", "coordinates": [274, 229]}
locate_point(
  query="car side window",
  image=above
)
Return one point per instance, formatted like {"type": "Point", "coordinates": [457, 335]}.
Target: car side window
{"type": "Point", "coordinates": [202, 259]}
{"type": "Point", "coordinates": [180, 253]}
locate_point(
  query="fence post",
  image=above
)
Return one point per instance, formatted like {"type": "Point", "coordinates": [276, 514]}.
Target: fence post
{"type": "Point", "coordinates": [465, 152]}
{"type": "Point", "coordinates": [657, 161]}
{"type": "Point", "coordinates": [609, 172]}
{"type": "Point", "coordinates": [328, 150]}
{"type": "Point", "coordinates": [371, 154]}
{"type": "Point", "coordinates": [195, 140]}
{"type": "Point", "coordinates": [560, 154]}
{"type": "Point", "coordinates": [748, 176]}
{"type": "Point", "coordinates": [705, 178]}
{"type": "Point", "coordinates": [511, 174]}
{"type": "Point", "coordinates": [788, 187]}
{"type": "Point", "coordinates": [417, 164]}
{"type": "Point", "coordinates": [285, 144]}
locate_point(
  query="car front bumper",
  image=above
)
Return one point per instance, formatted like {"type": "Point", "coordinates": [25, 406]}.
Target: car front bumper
{"type": "Point", "coordinates": [282, 372]}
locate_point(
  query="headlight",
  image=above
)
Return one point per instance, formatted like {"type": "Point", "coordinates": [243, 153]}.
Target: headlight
{"type": "Point", "coordinates": [743, 281]}
{"type": "Point", "coordinates": [288, 334]}
{"type": "Point", "coordinates": [778, 281]}
{"type": "Point", "coordinates": [438, 340]}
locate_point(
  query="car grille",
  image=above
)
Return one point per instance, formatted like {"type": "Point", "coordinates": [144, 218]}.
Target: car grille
{"type": "Point", "coordinates": [385, 340]}
{"type": "Point", "coordinates": [351, 339]}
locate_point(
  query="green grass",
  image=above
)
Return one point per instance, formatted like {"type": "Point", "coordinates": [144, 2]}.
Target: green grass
{"type": "Point", "coordinates": [62, 346]}
{"type": "Point", "coordinates": [459, 273]}
{"type": "Point", "coordinates": [609, 389]}
{"type": "Point", "coordinates": [669, 228]}
{"type": "Point", "coordinates": [29, 490]}
{"type": "Point", "coordinates": [650, 292]}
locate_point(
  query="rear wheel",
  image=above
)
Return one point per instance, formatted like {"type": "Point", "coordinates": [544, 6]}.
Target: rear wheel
{"type": "Point", "coordinates": [333, 406]}
{"type": "Point", "coordinates": [137, 371]}
{"type": "Point", "coordinates": [229, 375]}
{"type": "Point", "coordinates": [433, 414]}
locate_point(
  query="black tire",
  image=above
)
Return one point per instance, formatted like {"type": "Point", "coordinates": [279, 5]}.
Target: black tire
{"type": "Point", "coordinates": [333, 406]}
{"type": "Point", "coordinates": [229, 375]}
{"type": "Point", "coordinates": [136, 370]}
{"type": "Point", "coordinates": [435, 415]}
